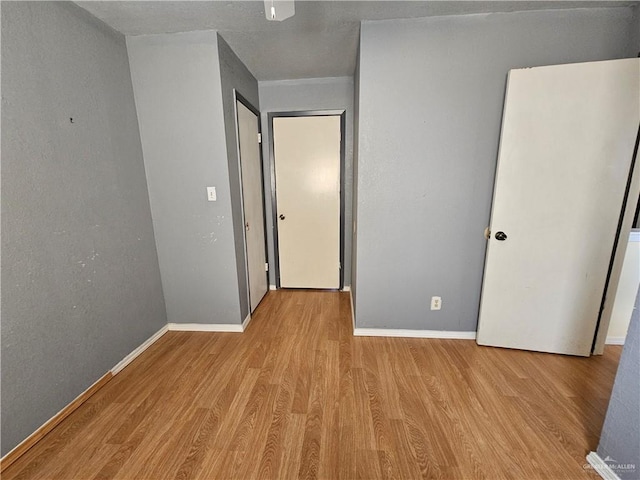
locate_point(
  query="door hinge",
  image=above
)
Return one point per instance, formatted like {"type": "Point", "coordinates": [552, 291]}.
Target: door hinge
{"type": "Point", "coordinates": [339, 265]}
{"type": "Point", "coordinates": [266, 267]}
{"type": "Point", "coordinates": [259, 138]}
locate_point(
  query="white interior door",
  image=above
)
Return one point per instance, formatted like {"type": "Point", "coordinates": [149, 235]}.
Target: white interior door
{"type": "Point", "coordinates": [307, 168]}
{"type": "Point", "coordinates": [565, 151]}
{"type": "Point", "coordinates": [252, 199]}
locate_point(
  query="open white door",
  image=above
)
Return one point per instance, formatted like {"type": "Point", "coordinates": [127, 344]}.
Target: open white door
{"type": "Point", "coordinates": [307, 169]}
{"type": "Point", "coordinates": [566, 147]}
{"type": "Point", "coordinates": [252, 201]}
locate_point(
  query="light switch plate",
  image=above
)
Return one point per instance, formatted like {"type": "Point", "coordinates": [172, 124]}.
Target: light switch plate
{"type": "Point", "coordinates": [211, 194]}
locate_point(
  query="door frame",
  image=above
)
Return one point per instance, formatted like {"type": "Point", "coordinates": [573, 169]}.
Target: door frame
{"type": "Point", "coordinates": [274, 203]}
{"type": "Point", "coordinates": [238, 97]}
{"type": "Point", "coordinates": [626, 221]}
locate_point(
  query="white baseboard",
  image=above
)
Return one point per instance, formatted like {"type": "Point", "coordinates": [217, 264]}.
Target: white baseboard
{"type": "Point", "coordinates": [46, 427]}
{"type": "Point", "coordinates": [205, 327]}
{"type": "Point", "coordinates": [600, 466]}
{"type": "Point", "coordinates": [346, 288]}
{"type": "Point", "coordinates": [272, 287]}
{"type": "Point", "coordinates": [132, 356]}
{"type": "Point", "coordinates": [50, 424]}
{"type": "Point", "coordinates": [614, 341]}
{"type": "Point", "coordinates": [393, 332]}
{"type": "Point", "coordinates": [246, 322]}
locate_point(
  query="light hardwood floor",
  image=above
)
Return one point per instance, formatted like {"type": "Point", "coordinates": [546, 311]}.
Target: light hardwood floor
{"type": "Point", "coordinates": [297, 396]}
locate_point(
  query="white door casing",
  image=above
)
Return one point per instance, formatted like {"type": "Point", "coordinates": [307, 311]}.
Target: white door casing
{"type": "Point", "coordinates": [307, 171]}
{"type": "Point", "coordinates": [252, 203]}
{"type": "Point", "coordinates": [566, 147]}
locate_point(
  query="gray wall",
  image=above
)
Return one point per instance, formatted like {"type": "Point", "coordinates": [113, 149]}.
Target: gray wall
{"type": "Point", "coordinates": [431, 97]}
{"type": "Point", "coordinates": [354, 210]}
{"type": "Point", "coordinates": [235, 75]}
{"type": "Point", "coordinates": [177, 85]}
{"type": "Point", "coordinates": [634, 39]}
{"type": "Point", "coordinates": [310, 94]}
{"type": "Point", "coordinates": [620, 437]}
{"type": "Point", "coordinates": [81, 285]}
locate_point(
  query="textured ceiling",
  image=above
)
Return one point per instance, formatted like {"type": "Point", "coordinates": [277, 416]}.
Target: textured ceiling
{"type": "Point", "coordinates": [320, 40]}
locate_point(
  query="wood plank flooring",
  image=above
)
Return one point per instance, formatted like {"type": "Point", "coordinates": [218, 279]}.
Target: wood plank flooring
{"type": "Point", "coordinates": [297, 396]}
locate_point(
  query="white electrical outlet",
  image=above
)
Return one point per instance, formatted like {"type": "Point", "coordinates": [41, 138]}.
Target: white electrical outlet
{"type": "Point", "coordinates": [436, 303]}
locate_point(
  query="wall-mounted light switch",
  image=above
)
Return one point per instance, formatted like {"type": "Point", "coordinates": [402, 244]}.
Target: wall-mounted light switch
{"type": "Point", "coordinates": [211, 194]}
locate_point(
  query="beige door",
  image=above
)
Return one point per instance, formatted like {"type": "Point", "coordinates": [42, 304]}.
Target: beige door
{"type": "Point", "coordinates": [566, 148]}
{"type": "Point", "coordinates": [252, 202]}
{"type": "Point", "coordinates": [307, 169]}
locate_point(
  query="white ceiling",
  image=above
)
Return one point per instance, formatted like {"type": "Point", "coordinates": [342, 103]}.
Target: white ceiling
{"type": "Point", "coordinates": [320, 40]}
